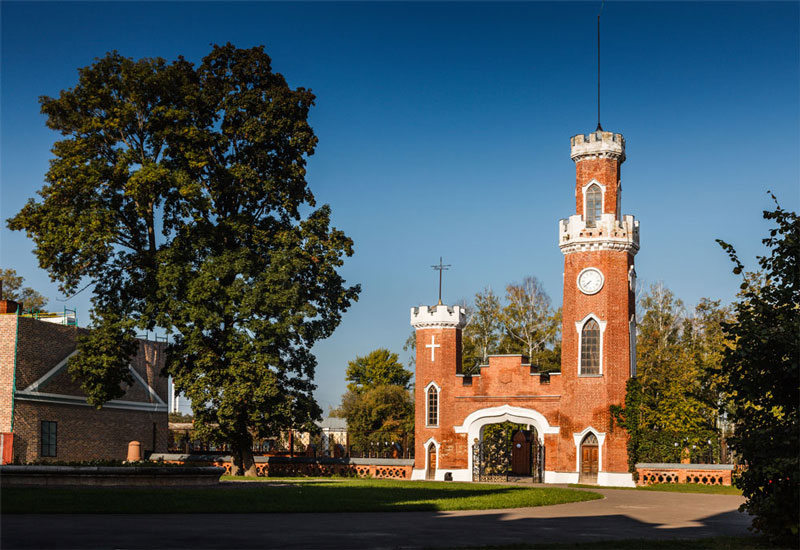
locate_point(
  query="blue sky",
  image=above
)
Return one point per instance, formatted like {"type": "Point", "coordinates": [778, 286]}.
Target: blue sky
{"type": "Point", "coordinates": [444, 131]}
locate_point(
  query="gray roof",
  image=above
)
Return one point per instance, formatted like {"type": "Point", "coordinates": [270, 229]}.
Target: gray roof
{"type": "Point", "coordinates": [333, 423]}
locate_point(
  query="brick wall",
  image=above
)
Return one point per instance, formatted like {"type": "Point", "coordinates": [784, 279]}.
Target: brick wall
{"type": "Point", "coordinates": [84, 433]}
{"type": "Point", "coordinates": [8, 327]}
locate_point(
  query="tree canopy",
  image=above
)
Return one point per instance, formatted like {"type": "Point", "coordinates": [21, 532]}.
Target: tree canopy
{"type": "Point", "coordinates": [178, 194]}
{"type": "Point", "coordinates": [379, 367]}
{"type": "Point", "coordinates": [762, 376]}
{"type": "Point", "coordinates": [669, 413]}
{"type": "Point", "coordinates": [30, 299]}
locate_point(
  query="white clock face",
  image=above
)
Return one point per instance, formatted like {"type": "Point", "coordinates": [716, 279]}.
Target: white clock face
{"type": "Point", "coordinates": [590, 280]}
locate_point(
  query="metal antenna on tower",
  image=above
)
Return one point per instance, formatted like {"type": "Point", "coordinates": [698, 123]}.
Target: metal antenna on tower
{"type": "Point", "coordinates": [441, 267]}
{"type": "Point", "coordinates": [599, 127]}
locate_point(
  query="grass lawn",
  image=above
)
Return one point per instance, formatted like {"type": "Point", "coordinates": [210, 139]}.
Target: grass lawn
{"type": "Point", "coordinates": [713, 543]}
{"type": "Point", "coordinates": [287, 495]}
{"type": "Point", "coordinates": [675, 488]}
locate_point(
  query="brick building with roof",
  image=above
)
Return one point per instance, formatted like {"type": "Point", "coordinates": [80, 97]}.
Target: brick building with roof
{"type": "Point", "coordinates": [569, 435]}
{"type": "Point", "coordinates": [44, 415]}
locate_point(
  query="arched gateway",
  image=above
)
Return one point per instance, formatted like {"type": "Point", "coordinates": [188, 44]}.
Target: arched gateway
{"type": "Point", "coordinates": [566, 412]}
{"type": "Point", "coordinates": [476, 421]}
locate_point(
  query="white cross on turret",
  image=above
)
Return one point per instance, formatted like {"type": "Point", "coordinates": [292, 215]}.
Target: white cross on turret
{"type": "Point", "coordinates": [433, 345]}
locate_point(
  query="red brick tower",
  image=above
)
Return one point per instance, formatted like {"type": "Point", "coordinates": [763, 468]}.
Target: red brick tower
{"type": "Point", "coordinates": [438, 358]}
{"type": "Point", "coordinates": [598, 331]}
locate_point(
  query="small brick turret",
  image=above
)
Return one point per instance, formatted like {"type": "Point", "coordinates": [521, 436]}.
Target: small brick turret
{"type": "Point", "coordinates": [438, 359]}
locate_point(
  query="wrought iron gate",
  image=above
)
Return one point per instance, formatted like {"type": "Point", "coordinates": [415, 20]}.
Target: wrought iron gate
{"type": "Point", "coordinates": [493, 462]}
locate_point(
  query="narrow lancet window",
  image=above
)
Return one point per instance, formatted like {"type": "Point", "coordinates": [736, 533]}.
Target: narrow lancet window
{"type": "Point", "coordinates": [594, 205]}
{"type": "Point", "coordinates": [433, 406]}
{"type": "Point", "coordinates": [590, 348]}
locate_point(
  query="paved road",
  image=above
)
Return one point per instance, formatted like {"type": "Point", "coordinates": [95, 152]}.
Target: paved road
{"type": "Point", "coordinates": [622, 514]}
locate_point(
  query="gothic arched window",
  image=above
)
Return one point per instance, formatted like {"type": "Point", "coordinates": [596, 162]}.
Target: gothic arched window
{"type": "Point", "coordinates": [433, 406]}
{"type": "Point", "coordinates": [590, 348]}
{"type": "Point", "coordinates": [594, 205]}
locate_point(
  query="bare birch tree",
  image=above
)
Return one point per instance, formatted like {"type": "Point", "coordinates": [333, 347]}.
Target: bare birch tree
{"type": "Point", "coordinates": [528, 317]}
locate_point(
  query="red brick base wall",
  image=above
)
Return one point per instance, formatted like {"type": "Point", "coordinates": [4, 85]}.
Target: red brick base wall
{"type": "Point", "coordinates": [317, 469]}
{"type": "Point", "coordinates": [650, 476]}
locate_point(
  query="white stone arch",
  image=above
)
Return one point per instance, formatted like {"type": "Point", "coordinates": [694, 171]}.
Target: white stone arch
{"type": "Point", "coordinates": [427, 445]}
{"type": "Point", "coordinates": [438, 403]}
{"type": "Point", "coordinates": [476, 420]}
{"type": "Point", "coordinates": [579, 328]}
{"type": "Point", "coordinates": [578, 438]}
{"type": "Point", "coordinates": [584, 190]}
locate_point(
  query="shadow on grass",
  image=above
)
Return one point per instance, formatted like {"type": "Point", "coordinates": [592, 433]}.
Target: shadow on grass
{"type": "Point", "coordinates": [286, 496]}
{"type": "Point", "coordinates": [441, 530]}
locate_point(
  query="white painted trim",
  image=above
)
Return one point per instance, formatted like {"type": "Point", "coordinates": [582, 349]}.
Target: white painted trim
{"type": "Point", "coordinates": [438, 403]}
{"type": "Point", "coordinates": [579, 327]}
{"type": "Point", "coordinates": [26, 395]}
{"type": "Point", "coordinates": [51, 373]}
{"type": "Point", "coordinates": [33, 389]}
{"type": "Point", "coordinates": [417, 475]}
{"type": "Point", "coordinates": [147, 386]}
{"type": "Point", "coordinates": [613, 479]}
{"type": "Point", "coordinates": [578, 438]}
{"type": "Point", "coordinates": [427, 455]}
{"type": "Point", "coordinates": [561, 477]}
{"type": "Point", "coordinates": [584, 189]}
{"type": "Point", "coordinates": [476, 420]}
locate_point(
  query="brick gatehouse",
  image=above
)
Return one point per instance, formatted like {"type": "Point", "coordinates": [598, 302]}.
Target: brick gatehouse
{"type": "Point", "coordinates": [567, 413]}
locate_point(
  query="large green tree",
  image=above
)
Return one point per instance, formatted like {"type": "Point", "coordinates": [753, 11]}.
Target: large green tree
{"type": "Point", "coordinates": [377, 405]}
{"type": "Point", "coordinates": [178, 194]}
{"type": "Point", "coordinates": [12, 289]}
{"type": "Point", "coordinates": [666, 410]}
{"type": "Point", "coordinates": [379, 367]}
{"type": "Point", "coordinates": [378, 415]}
{"type": "Point", "coordinates": [762, 374]}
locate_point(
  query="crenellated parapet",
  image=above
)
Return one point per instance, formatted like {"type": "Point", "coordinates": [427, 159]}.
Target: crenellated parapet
{"type": "Point", "coordinates": [440, 316]}
{"type": "Point", "coordinates": [609, 233]}
{"type": "Point", "coordinates": [598, 145]}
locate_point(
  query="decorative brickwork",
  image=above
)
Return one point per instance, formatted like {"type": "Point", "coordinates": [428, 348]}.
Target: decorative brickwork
{"type": "Point", "coordinates": [304, 467]}
{"type": "Point", "coordinates": [701, 474]}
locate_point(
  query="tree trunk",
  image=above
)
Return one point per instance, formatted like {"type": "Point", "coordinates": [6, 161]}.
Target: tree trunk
{"type": "Point", "coordinates": [248, 462]}
{"type": "Point", "coordinates": [236, 462]}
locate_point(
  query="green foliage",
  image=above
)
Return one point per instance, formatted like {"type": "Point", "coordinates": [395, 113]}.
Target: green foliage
{"type": "Point", "coordinates": [377, 415]}
{"type": "Point", "coordinates": [180, 418]}
{"type": "Point", "coordinates": [176, 193]}
{"type": "Point", "coordinates": [378, 368]}
{"type": "Point", "coordinates": [101, 364]}
{"type": "Point", "coordinates": [30, 299]}
{"type": "Point", "coordinates": [763, 379]}
{"type": "Point", "coordinates": [630, 418]}
{"type": "Point", "coordinates": [671, 408]}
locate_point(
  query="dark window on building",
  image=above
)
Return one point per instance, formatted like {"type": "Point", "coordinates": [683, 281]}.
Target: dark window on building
{"type": "Point", "coordinates": [594, 205]}
{"type": "Point", "coordinates": [466, 381]}
{"type": "Point", "coordinates": [544, 378]}
{"type": "Point", "coordinates": [49, 430]}
{"type": "Point", "coordinates": [590, 348]}
{"type": "Point", "coordinates": [433, 406]}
